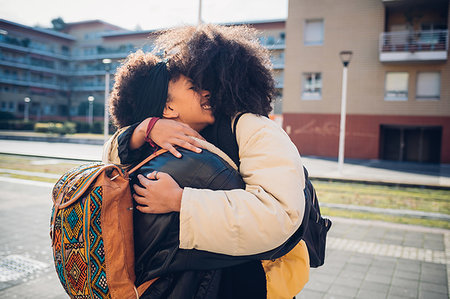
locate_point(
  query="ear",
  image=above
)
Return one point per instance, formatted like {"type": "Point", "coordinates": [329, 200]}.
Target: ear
{"type": "Point", "coordinates": [169, 112]}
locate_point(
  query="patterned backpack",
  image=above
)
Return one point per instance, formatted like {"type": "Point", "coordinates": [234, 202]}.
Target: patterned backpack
{"type": "Point", "coordinates": [92, 232]}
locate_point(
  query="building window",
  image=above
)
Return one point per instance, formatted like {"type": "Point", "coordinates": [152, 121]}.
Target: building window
{"type": "Point", "coordinates": [313, 32]}
{"type": "Point", "coordinates": [312, 86]}
{"type": "Point", "coordinates": [428, 86]}
{"type": "Point", "coordinates": [396, 86]}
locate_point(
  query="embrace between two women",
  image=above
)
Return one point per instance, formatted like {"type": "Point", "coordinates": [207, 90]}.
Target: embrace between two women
{"type": "Point", "coordinates": [218, 215]}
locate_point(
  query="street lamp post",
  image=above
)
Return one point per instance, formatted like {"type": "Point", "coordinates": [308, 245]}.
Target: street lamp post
{"type": "Point", "coordinates": [91, 110]}
{"type": "Point", "coordinates": [345, 56]}
{"type": "Point", "coordinates": [107, 63]}
{"type": "Point", "coordinates": [27, 101]}
{"type": "Point", "coordinates": [199, 21]}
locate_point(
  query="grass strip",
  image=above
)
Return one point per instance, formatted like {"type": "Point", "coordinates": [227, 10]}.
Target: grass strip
{"type": "Point", "coordinates": [327, 212]}
{"type": "Point", "coordinates": [388, 197]}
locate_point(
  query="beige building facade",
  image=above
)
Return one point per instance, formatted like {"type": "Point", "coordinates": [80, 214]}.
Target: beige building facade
{"type": "Point", "coordinates": [398, 98]}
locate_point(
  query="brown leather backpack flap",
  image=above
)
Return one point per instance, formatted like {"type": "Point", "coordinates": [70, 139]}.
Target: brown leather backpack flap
{"type": "Point", "coordinates": [117, 232]}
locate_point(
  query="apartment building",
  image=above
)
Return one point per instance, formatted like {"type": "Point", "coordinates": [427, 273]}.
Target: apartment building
{"type": "Point", "coordinates": [398, 97]}
{"type": "Point", "coordinates": [59, 71]}
{"type": "Point", "coordinates": [34, 63]}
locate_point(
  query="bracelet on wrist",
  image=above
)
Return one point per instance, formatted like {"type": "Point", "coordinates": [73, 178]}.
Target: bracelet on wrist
{"type": "Point", "coordinates": [150, 125]}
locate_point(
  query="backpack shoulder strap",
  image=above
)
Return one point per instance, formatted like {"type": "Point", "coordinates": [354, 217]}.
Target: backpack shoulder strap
{"type": "Point", "coordinates": [235, 121]}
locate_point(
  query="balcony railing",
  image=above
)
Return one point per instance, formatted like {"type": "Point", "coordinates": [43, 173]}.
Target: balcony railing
{"type": "Point", "coordinates": [277, 62]}
{"type": "Point", "coordinates": [413, 45]}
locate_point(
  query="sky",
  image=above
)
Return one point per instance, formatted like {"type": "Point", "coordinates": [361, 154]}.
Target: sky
{"type": "Point", "coordinates": [141, 14]}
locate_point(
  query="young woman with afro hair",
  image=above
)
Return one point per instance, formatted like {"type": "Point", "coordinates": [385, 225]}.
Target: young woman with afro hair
{"type": "Point", "coordinates": [230, 64]}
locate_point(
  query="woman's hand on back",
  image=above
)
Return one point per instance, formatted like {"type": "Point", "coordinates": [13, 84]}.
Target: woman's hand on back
{"type": "Point", "coordinates": [168, 133]}
{"type": "Point", "coordinates": [160, 194]}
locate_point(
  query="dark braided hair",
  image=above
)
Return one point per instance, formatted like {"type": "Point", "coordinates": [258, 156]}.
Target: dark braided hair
{"type": "Point", "coordinates": [228, 61]}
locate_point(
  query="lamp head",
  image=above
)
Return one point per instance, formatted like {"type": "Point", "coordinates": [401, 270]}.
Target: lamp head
{"type": "Point", "coordinates": [345, 56]}
{"type": "Point", "coordinates": [27, 100]}
{"type": "Point", "coordinates": [107, 63]}
{"type": "Point", "coordinates": [90, 99]}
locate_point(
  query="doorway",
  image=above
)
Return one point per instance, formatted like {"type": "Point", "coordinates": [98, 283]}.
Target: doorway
{"type": "Point", "coordinates": [411, 143]}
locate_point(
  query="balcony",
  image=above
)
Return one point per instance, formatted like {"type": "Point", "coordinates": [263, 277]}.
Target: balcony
{"type": "Point", "coordinates": [30, 83]}
{"type": "Point", "coordinates": [407, 46]}
{"type": "Point", "coordinates": [25, 48]}
{"type": "Point", "coordinates": [277, 62]}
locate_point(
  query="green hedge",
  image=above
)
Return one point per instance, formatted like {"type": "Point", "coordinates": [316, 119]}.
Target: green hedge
{"type": "Point", "coordinates": [55, 128]}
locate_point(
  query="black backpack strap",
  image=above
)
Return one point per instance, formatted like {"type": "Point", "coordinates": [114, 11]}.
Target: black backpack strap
{"type": "Point", "coordinates": [235, 123]}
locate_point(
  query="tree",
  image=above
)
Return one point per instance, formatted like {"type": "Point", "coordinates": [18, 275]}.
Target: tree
{"type": "Point", "coordinates": [58, 24]}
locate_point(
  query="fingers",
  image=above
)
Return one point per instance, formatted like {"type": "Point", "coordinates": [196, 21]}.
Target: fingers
{"type": "Point", "coordinates": [143, 180]}
{"type": "Point", "coordinates": [172, 150]}
{"type": "Point", "coordinates": [144, 209]}
{"type": "Point", "coordinates": [188, 144]}
{"type": "Point", "coordinates": [140, 200]}
{"type": "Point", "coordinates": [153, 175]}
{"type": "Point", "coordinates": [139, 190]}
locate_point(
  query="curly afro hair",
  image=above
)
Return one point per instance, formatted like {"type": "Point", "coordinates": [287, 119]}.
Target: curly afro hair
{"type": "Point", "coordinates": [228, 61]}
{"type": "Point", "coordinates": [128, 101]}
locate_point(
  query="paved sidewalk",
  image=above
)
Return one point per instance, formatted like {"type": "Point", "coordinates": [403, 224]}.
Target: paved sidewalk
{"type": "Point", "coordinates": [365, 259]}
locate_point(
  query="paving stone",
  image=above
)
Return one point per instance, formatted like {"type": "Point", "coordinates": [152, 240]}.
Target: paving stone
{"type": "Point", "coordinates": [375, 269]}
{"type": "Point", "coordinates": [378, 278]}
{"type": "Point", "coordinates": [330, 267]}
{"type": "Point", "coordinates": [352, 274]}
{"type": "Point", "coordinates": [433, 287]}
{"type": "Point", "coordinates": [375, 286]}
{"type": "Point", "coordinates": [438, 277]}
{"type": "Point", "coordinates": [324, 277]}
{"type": "Point", "coordinates": [393, 296]}
{"type": "Point", "coordinates": [353, 282]}
{"type": "Point", "coordinates": [413, 243]}
{"type": "Point", "coordinates": [371, 294]}
{"type": "Point", "coordinates": [434, 245]}
{"type": "Point", "coordinates": [414, 235]}
{"type": "Point", "coordinates": [403, 292]}
{"type": "Point", "coordinates": [392, 241]}
{"type": "Point", "coordinates": [434, 237]}
{"type": "Point", "coordinates": [433, 267]}
{"type": "Point", "coordinates": [405, 283]}
{"type": "Point", "coordinates": [343, 291]}
{"type": "Point", "coordinates": [46, 286]}
{"type": "Point", "coordinates": [319, 285]}
{"type": "Point", "coordinates": [331, 296]}
{"type": "Point", "coordinates": [360, 268]}
{"type": "Point", "coordinates": [432, 295]}
{"type": "Point", "coordinates": [308, 294]}
{"type": "Point", "coordinates": [408, 265]}
{"type": "Point", "coordinates": [360, 260]}
{"type": "Point", "coordinates": [406, 275]}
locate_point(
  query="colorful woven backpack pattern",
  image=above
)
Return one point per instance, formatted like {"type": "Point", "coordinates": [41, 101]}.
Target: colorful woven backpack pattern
{"type": "Point", "coordinates": [92, 232]}
{"type": "Point", "coordinates": [78, 231]}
